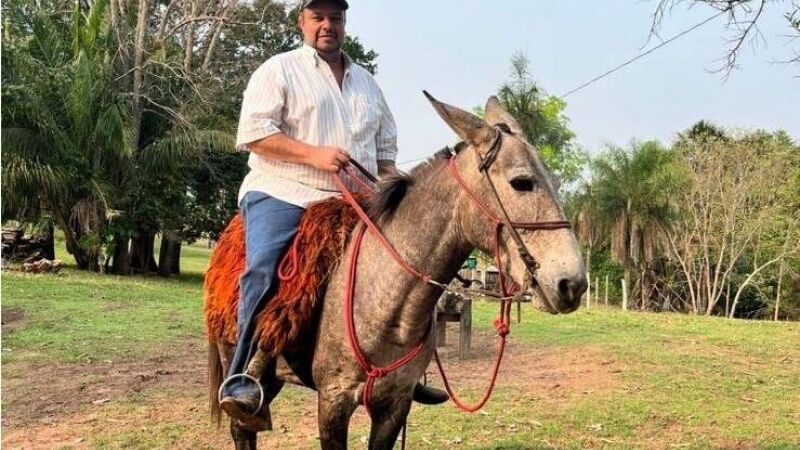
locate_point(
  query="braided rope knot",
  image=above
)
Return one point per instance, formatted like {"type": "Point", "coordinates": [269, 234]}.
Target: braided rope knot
{"type": "Point", "coordinates": [377, 372]}
{"type": "Point", "coordinates": [501, 327]}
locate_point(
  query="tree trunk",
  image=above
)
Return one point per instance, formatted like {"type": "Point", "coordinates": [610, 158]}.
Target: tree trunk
{"type": "Point", "coordinates": [625, 292]}
{"type": "Point", "coordinates": [778, 294]}
{"type": "Point", "coordinates": [49, 242]}
{"type": "Point", "coordinates": [94, 264]}
{"type": "Point", "coordinates": [728, 300]}
{"type": "Point", "coordinates": [777, 259]}
{"type": "Point", "coordinates": [142, 255]}
{"type": "Point", "coordinates": [82, 258]}
{"type": "Point", "coordinates": [217, 32]}
{"type": "Point", "coordinates": [189, 37]}
{"type": "Point", "coordinates": [644, 292]}
{"type": "Point", "coordinates": [138, 73]}
{"type": "Point", "coordinates": [121, 261]}
{"type": "Point", "coordinates": [175, 266]}
{"type": "Point", "coordinates": [169, 257]}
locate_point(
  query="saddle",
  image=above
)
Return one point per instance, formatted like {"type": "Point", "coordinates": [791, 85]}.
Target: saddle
{"type": "Point", "coordinates": [315, 252]}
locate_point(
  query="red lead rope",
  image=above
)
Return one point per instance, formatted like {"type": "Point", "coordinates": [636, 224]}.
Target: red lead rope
{"type": "Point", "coordinates": [501, 324]}
{"type": "Point", "coordinates": [373, 372]}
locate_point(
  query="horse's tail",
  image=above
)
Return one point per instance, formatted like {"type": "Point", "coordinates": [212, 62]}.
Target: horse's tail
{"type": "Point", "coordinates": [215, 375]}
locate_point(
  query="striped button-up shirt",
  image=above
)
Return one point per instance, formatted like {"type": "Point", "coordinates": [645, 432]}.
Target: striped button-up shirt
{"type": "Point", "coordinates": [296, 93]}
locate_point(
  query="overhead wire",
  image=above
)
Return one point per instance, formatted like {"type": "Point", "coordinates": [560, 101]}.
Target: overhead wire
{"type": "Point", "coordinates": [613, 69]}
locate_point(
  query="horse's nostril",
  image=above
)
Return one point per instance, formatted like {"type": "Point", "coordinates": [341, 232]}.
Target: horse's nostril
{"type": "Point", "coordinates": [570, 289]}
{"type": "Point", "coordinates": [564, 288]}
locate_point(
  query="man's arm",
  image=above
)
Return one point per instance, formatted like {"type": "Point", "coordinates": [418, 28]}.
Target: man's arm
{"type": "Point", "coordinates": [386, 140]}
{"type": "Point", "coordinates": [281, 147]}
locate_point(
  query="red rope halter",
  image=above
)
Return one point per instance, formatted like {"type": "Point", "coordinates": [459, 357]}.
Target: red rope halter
{"type": "Point", "coordinates": [502, 323]}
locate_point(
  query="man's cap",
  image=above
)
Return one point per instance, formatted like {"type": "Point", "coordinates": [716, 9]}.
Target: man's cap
{"type": "Point", "coordinates": [307, 3]}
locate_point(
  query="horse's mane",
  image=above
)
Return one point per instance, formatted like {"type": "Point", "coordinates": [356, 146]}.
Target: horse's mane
{"type": "Point", "coordinates": [392, 190]}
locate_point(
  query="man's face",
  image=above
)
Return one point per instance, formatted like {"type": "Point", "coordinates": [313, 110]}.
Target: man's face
{"type": "Point", "coordinates": [322, 24]}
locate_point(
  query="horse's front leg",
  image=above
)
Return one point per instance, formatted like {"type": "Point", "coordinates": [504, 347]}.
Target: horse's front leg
{"type": "Point", "coordinates": [334, 412]}
{"type": "Point", "coordinates": [387, 421]}
{"type": "Point", "coordinates": [243, 439]}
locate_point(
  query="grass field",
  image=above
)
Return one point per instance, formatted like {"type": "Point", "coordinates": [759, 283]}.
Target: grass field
{"type": "Point", "coordinates": [92, 361]}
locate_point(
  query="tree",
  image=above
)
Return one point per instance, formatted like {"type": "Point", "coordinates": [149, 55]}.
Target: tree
{"type": "Point", "coordinates": [734, 213]}
{"type": "Point", "coordinates": [67, 133]}
{"type": "Point", "coordinates": [542, 118]}
{"type": "Point", "coordinates": [117, 112]}
{"type": "Point", "coordinates": [633, 205]}
{"type": "Point", "coordinates": [193, 76]}
{"type": "Point", "coordinates": [743, 20]}
{"type": "Point", "coordinates": [583, 208]}
{"type": "Point", "coordinates": [64, 123]}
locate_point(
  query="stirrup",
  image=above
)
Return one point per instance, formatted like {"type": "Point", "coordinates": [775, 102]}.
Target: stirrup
{"type": "Point", "coordinates": [248, 377]}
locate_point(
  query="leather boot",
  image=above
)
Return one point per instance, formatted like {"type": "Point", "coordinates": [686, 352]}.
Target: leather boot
{"type": "Point", "coordinates": [241, 399]}
{"type": "Point", "coordinates": [244, 396]}
{"type": "Point", "coordinates": [427, 395]}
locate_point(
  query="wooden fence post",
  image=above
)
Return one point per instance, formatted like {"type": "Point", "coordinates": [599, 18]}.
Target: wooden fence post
{"type": "Point", "coordinates": [441, 330]}
{"type": "Point", "coordinates": [596, 291]}
{"type": "Point", "coordinates": [588, 290]}
{"type": "Point", "coordinates": [624, 295]}
{"type": "Point", "coordinates": [606, 296]}
{"type": "Point", "coordinates": [465, 330]}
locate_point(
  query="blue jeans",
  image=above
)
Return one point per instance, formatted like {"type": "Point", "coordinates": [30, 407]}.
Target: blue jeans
{"type": "Point", "coordinates": [269, 224]}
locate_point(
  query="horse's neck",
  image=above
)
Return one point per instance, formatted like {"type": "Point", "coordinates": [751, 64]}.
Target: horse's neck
{"type": "Point", "coordinates": [425, 231]}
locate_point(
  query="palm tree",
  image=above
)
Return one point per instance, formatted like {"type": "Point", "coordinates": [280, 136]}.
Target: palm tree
{"type": "Point", "coordinates": [632, 190]}
{"type": "Point", "coordinates": [64, 126]}
{"type": "Point", "coordinates": [68, 139]}
{"type": "Point", "coordinates": [586, 216]}
{"type": "Point", "coordinates": [542, 119]}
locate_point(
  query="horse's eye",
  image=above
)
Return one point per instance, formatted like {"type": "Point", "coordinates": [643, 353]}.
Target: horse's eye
{"type": "Point", "coordinates": [522, 184]}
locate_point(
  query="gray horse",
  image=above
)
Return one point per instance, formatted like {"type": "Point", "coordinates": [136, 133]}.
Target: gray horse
{"type": "Point", "coordinates": [434, 224]}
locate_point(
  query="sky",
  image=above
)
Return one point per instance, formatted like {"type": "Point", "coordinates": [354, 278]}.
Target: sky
{"type": "Point", "coordinates": [460, 51]}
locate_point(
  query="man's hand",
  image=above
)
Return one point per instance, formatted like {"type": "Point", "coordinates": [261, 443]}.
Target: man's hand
{"type": "Point", "coordinates": [329, 159]}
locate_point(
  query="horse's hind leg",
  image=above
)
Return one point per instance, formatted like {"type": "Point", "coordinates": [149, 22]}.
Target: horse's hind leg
{"type": "Point", "coordinates": [243, 438]}
{"type": "Point", "coordinates": [387, 423]}
{"type": "Point", "coordinates": [334, 414]}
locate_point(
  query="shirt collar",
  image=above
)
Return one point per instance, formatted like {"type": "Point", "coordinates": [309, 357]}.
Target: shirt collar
{"type": "Point", "coordinates": [311, 52]}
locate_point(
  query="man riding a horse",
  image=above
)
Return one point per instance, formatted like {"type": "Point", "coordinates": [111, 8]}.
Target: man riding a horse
{"type": "Point", "coordinates": [305, 114]}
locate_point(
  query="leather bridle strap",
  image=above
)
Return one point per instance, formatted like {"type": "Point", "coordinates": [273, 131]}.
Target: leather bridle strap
{"type": "Point", "coordinates": [531, 265]}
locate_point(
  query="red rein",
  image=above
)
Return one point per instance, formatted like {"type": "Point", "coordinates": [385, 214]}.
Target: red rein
{"type": "Point", "coordinates": [502, 323]}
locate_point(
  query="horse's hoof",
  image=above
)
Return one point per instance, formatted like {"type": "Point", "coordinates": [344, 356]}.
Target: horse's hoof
{"type": "Point", "coordinates": [429, 396]}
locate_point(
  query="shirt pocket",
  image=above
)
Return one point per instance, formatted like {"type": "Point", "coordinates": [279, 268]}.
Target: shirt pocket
{"type": "Point", "coordinates": [366, 114]}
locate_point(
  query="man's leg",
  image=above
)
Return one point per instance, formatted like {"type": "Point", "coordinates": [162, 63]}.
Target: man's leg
{"type": "Point", "coordinates": [270, 224]}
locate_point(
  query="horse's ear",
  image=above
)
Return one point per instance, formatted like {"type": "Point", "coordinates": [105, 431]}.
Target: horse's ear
{"type": "Point", "coordinates": [469, 127]}
{"type": "Point", "coordinates": [496, 114]}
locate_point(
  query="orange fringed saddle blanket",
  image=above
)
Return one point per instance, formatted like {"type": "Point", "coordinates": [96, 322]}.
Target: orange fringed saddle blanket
{"type": "Point", "coordinates": [321, 239]}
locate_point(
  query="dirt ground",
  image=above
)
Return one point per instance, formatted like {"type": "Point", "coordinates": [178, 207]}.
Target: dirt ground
{"type": "Point", "coordinates": [65, 405]}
